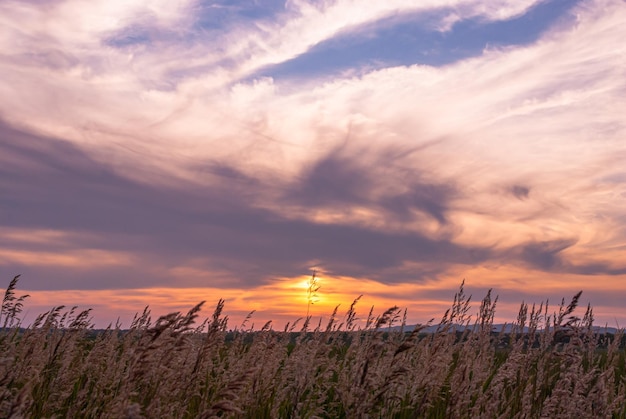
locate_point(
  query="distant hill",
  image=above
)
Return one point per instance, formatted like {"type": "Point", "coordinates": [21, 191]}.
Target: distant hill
{"type": "Point", "coordinates": [497, 328]}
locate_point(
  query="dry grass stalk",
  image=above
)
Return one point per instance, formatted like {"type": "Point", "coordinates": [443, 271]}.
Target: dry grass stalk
{"type": "Point", "coordinates": [548, 365]}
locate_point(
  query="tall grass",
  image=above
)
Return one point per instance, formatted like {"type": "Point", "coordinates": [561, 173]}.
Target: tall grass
{"type": "Point", "coordinates": [551, 364]}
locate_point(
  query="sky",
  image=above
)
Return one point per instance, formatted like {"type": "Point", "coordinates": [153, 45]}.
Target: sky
{"type": "Point", "coordinates": [162, 152]}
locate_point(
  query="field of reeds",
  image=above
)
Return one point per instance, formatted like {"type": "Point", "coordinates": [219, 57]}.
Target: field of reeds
{"type": "Point", "coordinates": [549, 363]}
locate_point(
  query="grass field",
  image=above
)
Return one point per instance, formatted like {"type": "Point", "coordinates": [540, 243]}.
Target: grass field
{"type": "Point", "coordinates": [552, 364]}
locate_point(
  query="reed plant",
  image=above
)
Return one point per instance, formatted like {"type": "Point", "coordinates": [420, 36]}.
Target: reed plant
{"type": "Point", "coordinates": [548, 363]}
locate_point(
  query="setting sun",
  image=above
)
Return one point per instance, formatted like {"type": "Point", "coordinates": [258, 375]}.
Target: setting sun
{"type": "Point", "coordinates": [164, 154]}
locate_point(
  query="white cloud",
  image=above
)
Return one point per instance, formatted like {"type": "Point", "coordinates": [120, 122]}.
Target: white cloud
{"type": "Point", "coordinates": [74, 35]}
{"type": "Point", "coordinates": [549, 114]}
{"type": "Point", "coordinates": [547, 117]}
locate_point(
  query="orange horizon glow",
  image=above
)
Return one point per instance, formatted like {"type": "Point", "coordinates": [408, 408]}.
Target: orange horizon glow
{"type": "Point", "coordinates": [285, 301]}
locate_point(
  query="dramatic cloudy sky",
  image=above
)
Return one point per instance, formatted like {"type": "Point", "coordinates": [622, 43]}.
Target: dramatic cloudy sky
{"type": "Point", "coordinates": [165, 152]}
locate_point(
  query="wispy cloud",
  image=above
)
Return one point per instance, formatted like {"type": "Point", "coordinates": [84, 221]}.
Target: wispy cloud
{"type": "Point", "coordinates": [141, 137]}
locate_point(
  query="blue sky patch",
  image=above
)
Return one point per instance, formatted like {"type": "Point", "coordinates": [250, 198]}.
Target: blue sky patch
{"type": "Point", "coordinates": [217, 15]}
{"type": "Point", "coordinates": [414, 40]}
